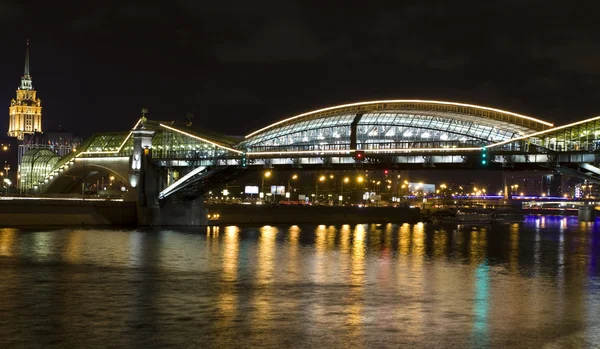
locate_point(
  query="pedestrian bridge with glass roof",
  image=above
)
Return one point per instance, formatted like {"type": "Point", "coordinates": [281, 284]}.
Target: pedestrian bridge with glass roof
{"type": "Point", "coordinates": [403, 131]}
{"type": "Point", "coordinates": [391, 125]}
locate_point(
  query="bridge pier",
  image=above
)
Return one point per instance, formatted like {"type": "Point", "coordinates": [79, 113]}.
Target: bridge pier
{"type": "Point", "coordinates": [149, 180]}
{"type": "Point", "coordinates": [585, 214]}
{"type": "Point", "coordinates": [153, 212]}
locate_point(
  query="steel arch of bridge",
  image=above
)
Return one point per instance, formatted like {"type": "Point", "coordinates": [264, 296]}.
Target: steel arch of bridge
{"type": "Point", "coordinates": [179, 145]}
{"type": "Point", "coordinates": [389, 126]}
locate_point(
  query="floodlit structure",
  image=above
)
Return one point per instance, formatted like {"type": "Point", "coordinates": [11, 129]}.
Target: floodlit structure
{"type": "Point", "coordinates": [392, 125]}
{"type": "Point", "coordinates": [410, 132]}
{"type": "Point", "coordinates": [25, 112]}
{"type": "Point", "coordinates": [36, 164]}
{"type": "Point", "coordinates": [170, 162]}
{"type": "Point", "coordinates": [397, 127]}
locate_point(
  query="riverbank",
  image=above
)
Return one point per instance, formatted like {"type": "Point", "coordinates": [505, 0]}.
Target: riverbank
{"type": "Point", "coordinates": [74, 212]}
{"type": "Point", "coordinates": [294, 214]}
{"type": "Point", "coordinates": [36, 212]}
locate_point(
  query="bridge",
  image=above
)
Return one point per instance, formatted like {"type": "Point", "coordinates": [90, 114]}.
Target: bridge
{"type": "Point", "coordinates": [163, 164]}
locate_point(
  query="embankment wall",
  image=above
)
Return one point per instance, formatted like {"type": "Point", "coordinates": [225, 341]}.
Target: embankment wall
{"type": "Point", "coordinates": [245, 214]}
{"type": "Point", "coordinates": [65, 213]}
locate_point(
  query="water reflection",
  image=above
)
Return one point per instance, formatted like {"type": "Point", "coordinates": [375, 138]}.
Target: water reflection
{"type": "Point", "coordinates": [7, 240]}
{"type": "Point", "coordinates": [514, 285]}
{"type": "Point", "coordinates": [481, 306]}
{"type": "Point", "coordinates": [357, 279]}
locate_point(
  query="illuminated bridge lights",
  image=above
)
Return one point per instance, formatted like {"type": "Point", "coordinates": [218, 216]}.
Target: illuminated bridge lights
{"type": "Point", "coordinates": [403, 129]}
{"type": "Point", "coordinates": [401, 104]}
{"type": "Point", "coordinates": [402, 126]}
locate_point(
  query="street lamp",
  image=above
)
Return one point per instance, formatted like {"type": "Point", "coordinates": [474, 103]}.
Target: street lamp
{"type": "Point", "coordinates": [346, 180]}
{"type": "Point", "coordinates": [321, 179]}
{"type": "Point", "coordinates": [267, 174]}
{"type": "Point", "coordinates": [361, 179]}
{"type": "Point", "coordinates": [443, 189]}
{"type": "Point", "coordinates": [294, 176]}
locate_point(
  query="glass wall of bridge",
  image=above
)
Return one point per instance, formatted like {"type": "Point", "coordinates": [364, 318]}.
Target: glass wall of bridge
{"type": "Point", "coordinates": [584, 137]}
{"type": "Point", "coordinates": [172, 145]}
{"type": "Point", "coordinates": [35, 166]}
{"type": "Point", "coordinates": [380, 130]}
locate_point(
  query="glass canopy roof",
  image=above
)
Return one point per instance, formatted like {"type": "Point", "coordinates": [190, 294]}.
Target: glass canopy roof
{"type": "Point", "coordinates": [392, 125]}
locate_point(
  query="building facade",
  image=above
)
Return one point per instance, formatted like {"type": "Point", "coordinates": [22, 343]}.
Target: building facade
{"type": "Point", "coordinates": [25, 111]}
{"type": "Point", "coordinates": [533, 183]}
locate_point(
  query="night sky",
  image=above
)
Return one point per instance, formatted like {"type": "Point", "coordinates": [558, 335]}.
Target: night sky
{"type": "Point", "coordinates": [241, 65]}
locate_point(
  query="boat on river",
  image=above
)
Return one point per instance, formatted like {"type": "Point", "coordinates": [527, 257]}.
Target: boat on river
{"type": "Point", "coordinates": [508, 217]}
{"type": "Point", "coordinates": [476, 217]}
{"type": "Point", "coordinates": [462, 217]}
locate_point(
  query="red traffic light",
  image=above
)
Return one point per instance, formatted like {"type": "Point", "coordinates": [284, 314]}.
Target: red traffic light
{"type": "Point", "coordinates": [386, 172]}
{"type": "Point", "coordinates": [359, 155]}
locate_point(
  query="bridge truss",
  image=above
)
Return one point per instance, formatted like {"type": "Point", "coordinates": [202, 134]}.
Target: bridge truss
{"type": "Point", "coordinates": [399, 132]}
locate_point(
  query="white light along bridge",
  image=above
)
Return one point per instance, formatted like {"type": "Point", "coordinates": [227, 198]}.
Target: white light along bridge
{"type": "Point", "coordinates": [402, 133]}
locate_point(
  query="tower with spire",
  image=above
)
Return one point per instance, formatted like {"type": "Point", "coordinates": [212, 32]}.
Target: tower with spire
{"type": "Point", "coordinates": [25, 112]}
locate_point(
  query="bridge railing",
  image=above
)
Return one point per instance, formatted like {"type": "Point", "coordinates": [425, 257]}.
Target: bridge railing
{"type": "Point", "coordinates": [345, 147]}
{"type": "Point", "coordinates": [544, 146]}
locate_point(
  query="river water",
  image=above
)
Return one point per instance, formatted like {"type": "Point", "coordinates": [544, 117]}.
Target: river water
{"type": "Point", "coordinates": [533, 284]}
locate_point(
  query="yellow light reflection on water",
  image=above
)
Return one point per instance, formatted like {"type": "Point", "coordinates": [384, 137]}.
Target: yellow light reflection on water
{"type": "Point", "coordinates": [345, 239]}
{"type": "Point", "coordinates": [387, 239]}
{"type": "Point", "coordinates": [7, 240]}
{"type": "Point", "coordinates": [228, 298]}
{"type": "Point", "coordinates": [320, 235]}
{"type": "Point", "coordinates": [357, 280]}
{"type": "Point", "coordinates": [331, 234]}
{"type": "Point", "coordinates": [262, 301]}
{"type": "Point", "coordinates": [404, 240]}
{"type": "Point", "coordinates": [319, 272]}
{"type": "Point", "coordinates": [358, 257]}
{"type": "Point", "coordinates": [266, 254]}
{"type": "Point", "coordinates": [230, 254]}
{"type": "Point", "coordinates": [293, 265]}
{"type": "Point", "coordinates": [478, 244]}
{"type": "Point", "coordinates": [73, 248]}
{"type": "Point", "coordinates": [418, 240]}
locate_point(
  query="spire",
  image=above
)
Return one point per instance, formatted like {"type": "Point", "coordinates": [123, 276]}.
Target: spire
{"type": "Point", "coordinates": [26, 75]}
{"type": "Point", "coordinates": [26, 83]}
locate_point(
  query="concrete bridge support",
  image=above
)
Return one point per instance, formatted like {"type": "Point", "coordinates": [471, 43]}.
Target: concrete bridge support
{"type": "Point", "coordinates": [586, 214]}
{"type": "Point", "coordinates": [150, 181]}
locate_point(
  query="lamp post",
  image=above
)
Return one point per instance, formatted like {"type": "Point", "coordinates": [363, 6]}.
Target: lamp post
{"type": "Point", "coordinates": [294, 176]}
{"type": "Point", "coordinates": [267, 174]}
{"type": "Point", "coordinates": [443, 189]}
{"type": "Point", "coordinates": [110, 184]}
{"type": "Point", "coordinates": [345, 180]}
{"type": "Point", "coordinates": [321, 179]}
{"type": "Point", "coordinates": [360, 180]}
